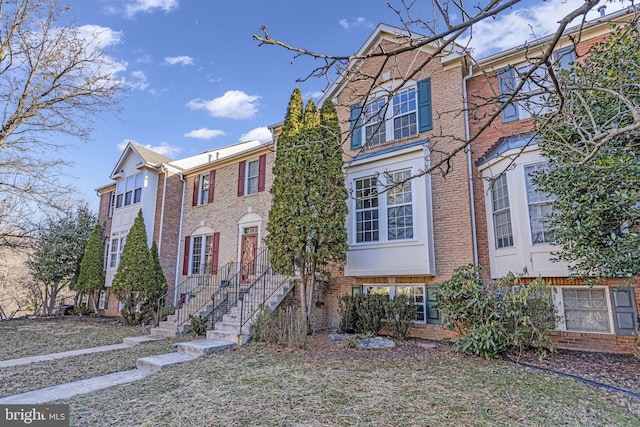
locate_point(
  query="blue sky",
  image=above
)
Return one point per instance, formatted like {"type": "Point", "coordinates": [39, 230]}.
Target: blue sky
{"type": "Point", "coordinates": [197, 80]}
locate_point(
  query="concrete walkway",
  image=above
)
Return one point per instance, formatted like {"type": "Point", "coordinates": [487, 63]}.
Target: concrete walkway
{"type": "Point", "coordinates": [146, 366]}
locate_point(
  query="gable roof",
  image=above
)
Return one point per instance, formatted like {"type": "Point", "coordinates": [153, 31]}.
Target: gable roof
{"type": "Point", "coordinates": [399, 36]}
{"type": "Point", "coordinates": [149, 158]}
{"type": "Point", "coordinates": [216, 155]}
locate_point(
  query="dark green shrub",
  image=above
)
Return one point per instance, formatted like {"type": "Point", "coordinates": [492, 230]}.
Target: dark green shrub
{"type": "Point", "coordinates": [198, 324]}
{"type": "Point", "coordinates": [348, 315]}
{"type": "Point", "coordinates": [371, 311]}
{"type": "Point", "coordinates": [401, 312]}
{"type": "Point", "coordinates": [496, 316]}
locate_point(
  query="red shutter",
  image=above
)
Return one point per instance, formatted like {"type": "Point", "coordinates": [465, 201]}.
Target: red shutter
{"type": "Point", "coordinates": [185, 259]}
{"type": "Point", "coordinates": [241, 166]}
{"type": "Point", "coordinates": [262, 166]}
{"type": "Point", "coordinates": [196, 184]}
{"type": "Point", "coordinates": [214, 252]}
{"type": "Point", "coordinates": [212, 185]}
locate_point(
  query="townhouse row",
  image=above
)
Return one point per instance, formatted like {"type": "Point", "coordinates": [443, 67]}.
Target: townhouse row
{"type": "Point", "coordinates": [209, 211]}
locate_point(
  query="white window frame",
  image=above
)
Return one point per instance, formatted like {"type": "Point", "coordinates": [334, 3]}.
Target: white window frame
{"type": "Point", "coordinates": [204, 187]}
{"type": "Point", "coordinates": [202, 263]}
{"type": "Point", "coordinates": [377, 203]}
{"type": "Point", "coordinates": [102, 297]}
{"type": "Point", "coordinates": [381, 113]}
{"type": "Point", "coordinates": [500, 209]}
{"type": "Point", "coordinates": [115, 251]}
{"type": "Point", "coordinates": [561, 307]}
{"type": "Point", "coordinates": [537, 202]}
{"type": "Point", "coordinates": [129, 190]}
{"type": "Point", "coordinates": [105, 254]}
{"type": "Point", "coordinates": [394, 290]}
{"type": "Point", "coordinates": [249, 179]}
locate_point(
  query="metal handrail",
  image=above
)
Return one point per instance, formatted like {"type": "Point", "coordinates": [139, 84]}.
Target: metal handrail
{"type": "Point", "coordinates": [194, 294]}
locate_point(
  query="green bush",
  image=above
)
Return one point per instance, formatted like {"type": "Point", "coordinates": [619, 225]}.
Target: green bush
{"type": "Point", "coordinates": [283, 327]}
{"type": "Point", "coordinates": [198, 324]}
{"type": "Point", "coordinates": [348, 315]}
{"type": "Point", "coordinates": [497, 316]}
{"type": "Point", "coordinates": [401, 312]}
{"type": "Point", "coordinates": [371, 313]}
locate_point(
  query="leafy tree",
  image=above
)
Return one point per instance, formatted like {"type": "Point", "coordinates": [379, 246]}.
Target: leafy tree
{"type": "Point", "coordinates": [58, 250]}
{"type": "Point", "coordinates": [135, 277]}
{"type": "Point", "coordinates": [90, 278]}
{"type": "Point", "coordinates": [157, 286]}
{"type": "Point", "coordinates": [54, 80]}
{"type": "Point", "coordinates": [306, 223]}
{"type": "Point", "coordinates": [592, 144]}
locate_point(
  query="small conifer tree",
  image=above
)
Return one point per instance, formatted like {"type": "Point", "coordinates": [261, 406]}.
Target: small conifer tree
{"type": "Point", "coordinates": [91, 278]}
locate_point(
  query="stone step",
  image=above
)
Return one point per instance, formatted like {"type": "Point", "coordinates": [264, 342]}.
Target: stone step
{"type": "Point", "coordinates": [162, 361]}
{"type": "Point", "coordinates": [227, 336]}
{"type": "Point", "coordinates": [165, 324]}
{"type": "Point", "coordinates": [203, 346]}
{"type": "Point", "coordinates": [165, 333]}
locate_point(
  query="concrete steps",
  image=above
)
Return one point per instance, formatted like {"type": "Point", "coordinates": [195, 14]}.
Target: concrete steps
{"type": "Point", "coordinates": [187, 351]}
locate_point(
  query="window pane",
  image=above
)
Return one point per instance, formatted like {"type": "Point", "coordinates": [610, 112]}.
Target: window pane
{"type": "Point", "coordinates": [586, 310]}
{"type": "Point", "coordinates": [416, 293]}
{"type": "Point", "coordinates": [399, 207]}
{"type": "Point", "coordinates": [137, 194]}
{"type": "Point", "coordinates": [367, 220]}
{"type": "Point", "coordinates": [501, 213]}
{"type": "Point", "coordinates": [253, 169]}
{"type": "Point", "coordinates": [404, 114]}
{"type": "Point", "coordinates": [196, 254]}
{"type": "Point", "coordinates": [540, 207]}
{"type": "Point", "coordinates": [204, 189]}
{"type": "Point", "coordinates": [375, 129]}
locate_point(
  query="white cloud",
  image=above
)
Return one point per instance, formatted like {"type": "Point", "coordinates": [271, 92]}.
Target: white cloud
{"type": "Point", "coordinates": [358, 21]}
{"type": "Point", "coordinates": [163, 148]}
{"type": "Point", "coordinates": [525, 24]}
{"type": "Point", "coordinates": [149, 6]}
{"type": "Point", "coordinates": [99, 37]}
{"type": "Point", "coordinates": [136, 80]}
{"type": "Point", "coordinates": [204, 133]}
{"type": "Point", "coordinates": [234, 104]}
{"type": "Point", "coordinates": [262, 134]}
{"type": "Point", "coordinates": [183, 60]}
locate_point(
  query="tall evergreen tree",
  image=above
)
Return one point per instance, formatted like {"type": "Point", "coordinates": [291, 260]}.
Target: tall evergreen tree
{"type": "Point", "coordinates": [135, 273]}
{"type": "Point", "coordinates": [158, 285]}
{"type": "Point", "coordinates": [306, 223]}
{"type": "Point", "coordinates": [90, 278]}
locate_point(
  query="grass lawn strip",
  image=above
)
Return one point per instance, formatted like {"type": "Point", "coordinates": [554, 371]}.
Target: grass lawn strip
{"type": "Point", "coordinates": [19, 379]}
{"type": "Point", "coordinates": [246, 388]}
{"type": "Point", "coordinates": [33, 337]}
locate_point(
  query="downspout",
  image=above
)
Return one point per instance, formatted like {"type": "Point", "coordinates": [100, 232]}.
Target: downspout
{"type": "Point", "coordinates": [175, 285]}
{"type": "Point", "coordinates": [164, 194]}
{"type": "Point", "coordinates": [470, 164]}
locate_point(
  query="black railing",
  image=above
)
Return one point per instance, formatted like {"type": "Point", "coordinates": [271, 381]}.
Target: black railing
{"type": "Point", "coordinates": [252, 286]}
{"type": "Point", "coordinates": [193, 295]}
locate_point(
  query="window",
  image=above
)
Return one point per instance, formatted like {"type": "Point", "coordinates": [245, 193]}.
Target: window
{"type": "Point", "coordinates": [251, 176]}
{"type": "Point", "coordinates": [393, 209]}
{"type": "Point", "coordinates": [404, 114]}
{"type": "Point", "coordinates": [564, 57]}
{"type": "Point", "coordinates": [106, 254]}
{"type": "Point", "coordinates": [109, 205]}
{"type": "Point", "coordinates": [201, 254]}
{"type": "Point", "coordinates": [532, 95]}
{"type": "Point", "coordinates": [425, 309]}
{"type": "Point", "coordinates": [399, 206]}
{"type": "Point", "coordinates": [102, 300]}
{"type": "Point", "coordinates": [117, 245]}
{"type": "Point", "coordinates": [540, 207]}
{"type": "Point", "coordinates": [409, 113]}
{"type": "Point", "coordinates": [203, 188]}
{"type": "Point", "coordinates": [584, 309]}
{"type": "Point", "coordinates": [129, 190]}
{"type": "Point", "coordinates": [501, 213]}
{"type": "Point", "coordinates": [367, 221]}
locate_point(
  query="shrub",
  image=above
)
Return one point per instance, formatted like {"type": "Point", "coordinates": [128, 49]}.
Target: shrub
{"type": "Point", "coordinates": [496, 316]}
{"type": "Point", "coordinates": [371, 311]}
{"type": "Point", "coordinates": [401, 312]}
{"type": "Point", "coordinates": [348, 315]}
{"type": "Point", "coordinates": [284, 327]}
{"type": "Point", "coordinates": [198, 324]}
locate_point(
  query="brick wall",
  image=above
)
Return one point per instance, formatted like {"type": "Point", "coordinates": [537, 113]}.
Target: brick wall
{"type": "Point", "coordinates": [167, 223]}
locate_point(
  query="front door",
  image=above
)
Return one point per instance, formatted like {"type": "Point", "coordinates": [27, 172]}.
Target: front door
{"type": "Point", "coordinates": [249, 249]}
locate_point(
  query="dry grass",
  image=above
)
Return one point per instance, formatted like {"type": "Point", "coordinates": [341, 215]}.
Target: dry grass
{"type": "Point", "coordinates": [260, 385]}
{"type": "Point", "coordinates": [326, 386]}
{"type": "Point", "coordinates": [32, 337]}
